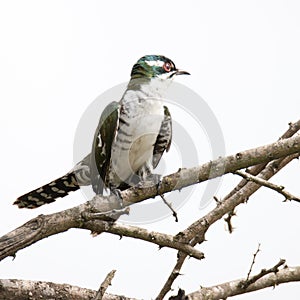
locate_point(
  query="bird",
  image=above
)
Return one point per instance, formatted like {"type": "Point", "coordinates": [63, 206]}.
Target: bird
{"type": "Point", "coordinates": [129, 141]}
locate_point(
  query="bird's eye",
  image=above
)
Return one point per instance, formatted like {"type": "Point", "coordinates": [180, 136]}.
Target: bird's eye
{"type": "Point", "coordinates": [167, 67]}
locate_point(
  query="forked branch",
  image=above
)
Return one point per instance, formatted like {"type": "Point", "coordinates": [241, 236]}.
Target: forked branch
{"type": "Point", "coordinates": [45, 226]}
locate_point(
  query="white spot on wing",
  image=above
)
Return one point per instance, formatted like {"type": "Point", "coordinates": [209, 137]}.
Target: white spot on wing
{"type": "Point", "coordinates": [100, 140]}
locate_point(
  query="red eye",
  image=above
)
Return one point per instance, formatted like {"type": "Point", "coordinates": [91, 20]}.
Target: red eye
{"type": "Point", "coordinates": [167, 67]}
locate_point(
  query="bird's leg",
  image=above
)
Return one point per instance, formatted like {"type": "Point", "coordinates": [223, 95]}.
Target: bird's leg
{"type": "Point", "coordinates": [151, 179]}
{"type": "Point", "coordinates": [146, 176]}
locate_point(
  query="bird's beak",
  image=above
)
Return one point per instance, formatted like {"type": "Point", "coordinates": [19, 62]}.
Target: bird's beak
{"type": "Point", "coordinates": [181, 72]}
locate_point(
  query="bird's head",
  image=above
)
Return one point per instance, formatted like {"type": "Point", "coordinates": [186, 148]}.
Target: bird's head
{"type": "Point", "coordinates": [155, 66]}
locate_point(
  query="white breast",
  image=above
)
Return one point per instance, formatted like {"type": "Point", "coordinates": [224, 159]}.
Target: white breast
{"type": "Point", "coordinates": [131, 151]}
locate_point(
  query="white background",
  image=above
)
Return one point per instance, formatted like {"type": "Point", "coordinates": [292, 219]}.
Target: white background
{"type": "Point", "coordinates": [56, 57]}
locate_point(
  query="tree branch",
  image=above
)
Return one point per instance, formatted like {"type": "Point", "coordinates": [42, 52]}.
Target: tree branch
{"type": "Point", "coordinates": [278, 188]}
{"type": "Point", "coordinates": [199, 228]}
{"type": "Point", "coordinates": [215, 168]}
{"type": "Point", "coordinates": [47, 225]}
{"type": "Point", "coordinates": [195, 233]}
{"type": "Point", "coordinates": [245, 283]}
{"type": "Point", "coordinates": [293, 128]}
{"type": "Point", "coordinates": [161, 239]}
{"type": "Point", "coordinates": [14, 289]}
{"type": "Point", "coordinates": [44, 226]}
{"type": "Point", "coordinates": [233, 288]}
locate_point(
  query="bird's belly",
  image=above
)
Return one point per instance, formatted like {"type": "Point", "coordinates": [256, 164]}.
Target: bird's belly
{"type": "Point", "coordinates": [131, 151]}
{"type": "Point", "coordinates": [141, 151]}
{"type": "Point", "coordinates": [126, 162]}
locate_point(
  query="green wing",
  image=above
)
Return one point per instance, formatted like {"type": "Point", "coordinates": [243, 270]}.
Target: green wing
{"type": "Point", "coordinates": [102, 144]}
{"type": "Point", "coordinates": [164, 138]}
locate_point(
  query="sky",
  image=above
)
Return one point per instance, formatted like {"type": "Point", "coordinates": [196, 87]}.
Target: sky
{"type": "Point", "coordinates": [58, 57]}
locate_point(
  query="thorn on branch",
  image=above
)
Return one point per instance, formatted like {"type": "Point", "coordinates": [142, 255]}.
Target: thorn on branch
{"type": "Point", "coordinates": [217, 200]}
{"type": "Point", "coordinates": [238, 155]}
{"type": "Point", "coordinates": [228, 221]}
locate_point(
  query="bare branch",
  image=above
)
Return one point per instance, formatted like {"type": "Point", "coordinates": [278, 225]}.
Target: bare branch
{"type": "Point", "coordinates": [47, 225]}
{"type": "Point", "coordinates": [32, 231]}
{"type": "Point", "coordinates": [195, 233]}
{"type": "Point", "coordinates": [215, 168]}
{"type": "Point", "coordinates": [104, 285]}
{"type": "Point", "coordinates": [293, 128]}
{"type": "Point", "coordinates": [160, 239]}
{"type": "Point", "coordinates": [278, 188]}
{"type": "Point", "coordinates": [245, 283]}
{"type": "Point", "coordinates": [198, 228]}
{"type": "Point", "coordinates": [233, 288]}
{"type": "Point", "coordinates": [15, 289]}
{"type": "Point", "coordinates": [80, 216]}
{"type": "Point", "coordinates": [174, 274]}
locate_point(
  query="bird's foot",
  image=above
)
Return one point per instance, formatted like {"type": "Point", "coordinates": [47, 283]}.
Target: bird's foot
{"type": "Point", "coordinates": [151, 180]}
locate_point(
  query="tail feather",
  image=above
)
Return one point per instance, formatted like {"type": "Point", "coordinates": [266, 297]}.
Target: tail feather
{"type": "Point", "coordinates": [48, 193]}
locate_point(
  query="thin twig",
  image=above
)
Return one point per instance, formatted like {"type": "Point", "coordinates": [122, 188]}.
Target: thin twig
{"type": "Point", "coordinates": [104, 285]}
{"type": "Point", "coordinates": [232, 288]}
{"type": "Point", "coordinates": [174, 213]}
{"type": "Point", "coordinates": [245, 283]}
{"type": "Point", "coordinates": [253, 262]}
{"type": "Point", "coordinates": [278, 188]}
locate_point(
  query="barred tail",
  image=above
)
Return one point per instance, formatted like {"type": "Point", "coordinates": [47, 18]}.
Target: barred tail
{"type": "Point", "coordinates": [48, 193]}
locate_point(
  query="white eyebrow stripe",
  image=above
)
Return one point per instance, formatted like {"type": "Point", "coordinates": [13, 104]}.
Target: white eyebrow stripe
{"type": "Point", "coordinates": [157, 63]}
